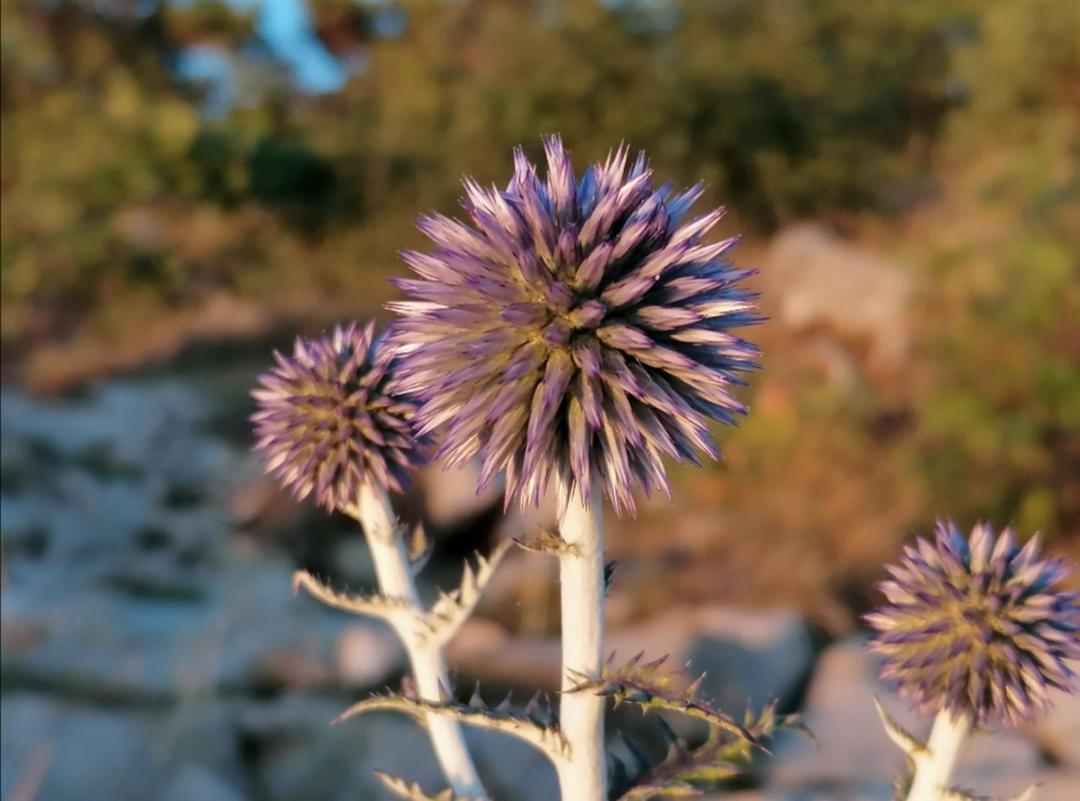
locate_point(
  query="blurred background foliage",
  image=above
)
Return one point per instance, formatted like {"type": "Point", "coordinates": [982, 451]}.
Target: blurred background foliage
{"type": "Point", "coordinates": [172, 173]}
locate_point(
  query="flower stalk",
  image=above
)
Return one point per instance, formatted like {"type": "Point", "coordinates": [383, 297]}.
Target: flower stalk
{"type": "Point", "coordinates": [581, 575]}
{"type": "Point", "coordinates": [934, 764]}
{"type": "Point", "coordinates": [394, 573]}
{"type": "Point", "coordinates": [976, 632]}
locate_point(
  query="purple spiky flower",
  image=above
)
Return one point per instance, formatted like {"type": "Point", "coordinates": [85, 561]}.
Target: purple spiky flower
{"type": "Point", "coordinates": [578, 330]}
{"type": "Point", "coordinates": [328, 420]}
{"type": "Point", "coordinates": [977, 627]}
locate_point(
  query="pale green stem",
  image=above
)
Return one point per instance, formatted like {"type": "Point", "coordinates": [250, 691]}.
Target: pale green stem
{"type": "Point", "coordinates": [582, 777]}
{"type": "Point", "coordinates": [934, 765]}
{"type": "Point", "coordinates": [428, 665]}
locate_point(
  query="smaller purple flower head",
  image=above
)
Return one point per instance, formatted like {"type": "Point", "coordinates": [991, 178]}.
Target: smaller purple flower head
{"type": "Point", "coordinates": [577, 330]}
{"type": "Point", "coordinates": [328, 420]}
{"type": "Point", "coordinates": [977, 626]}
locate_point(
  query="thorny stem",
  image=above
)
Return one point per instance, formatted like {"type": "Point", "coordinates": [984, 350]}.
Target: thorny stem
{"type": "Point", "coordinates": [934, 766]}
{"type": "Point", "coordinates": [582, 777]}
{"type": "Point", "coordinates": [428, 666]}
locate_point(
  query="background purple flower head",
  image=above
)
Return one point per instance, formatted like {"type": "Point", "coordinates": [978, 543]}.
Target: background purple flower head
{"type": "Point", "coordinates": [578, 330]}
{"type": "Point", "coordinates": [327, 419]}
{"type": "Point", "coordinates": [977, 627]}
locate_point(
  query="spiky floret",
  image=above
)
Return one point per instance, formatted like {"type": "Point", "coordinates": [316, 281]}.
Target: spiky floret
{"type": "Point", "coordinates": [977, 627]}
{"type": "Point", "coordinates": [328, 420]}
{"type": "Point", "coordinates": [578, 330]}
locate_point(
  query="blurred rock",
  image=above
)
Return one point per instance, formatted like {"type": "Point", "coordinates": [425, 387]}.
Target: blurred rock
{"type": "Point", "coordinates": [290, 716]}
{"type": "Point", "coordinates": [512, 769]}
{"type": "Point", "coordinates": [245, 631]}
{"type": "Point", "coordinates": [484, 651]}
{"type": "Point", "coordinates": [66, 751]}
{"type": "Point", "coordinates": [1051, 784]}
{"type": "Point", "coordinates": [451, 503]}
{"type": "Point", "coordinates": [302, 756]}
{"type": "Point", "coordinates": [124, 428]}
{"type": "Point", "coordinates": [1059, 732]}
{"type": "Point", "coordinates": [450, 496]}
{"type": "Point", "coordinates": [199, 732]}
{"type": "Point", "coordinates": [523, 593]}
{"type": "Point", "coordinates": [336, 763]}
{"type": "Point", "coordinates": [194, 783]}
{"type": "Point", "coordinates": [74, 752]}
{"type": "Point", "coordinates": [851, 298]}
{"type": "Point", "coordinates": [367, 656]}
{"type": "Point", "coordinates": [750, 656]}
{"type": "Point", "coordinates": [126, 471]}
{"type": "Point", "coordinates": [852, 748]}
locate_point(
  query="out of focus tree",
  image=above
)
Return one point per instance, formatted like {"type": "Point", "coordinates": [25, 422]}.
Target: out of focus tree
{"type": "Point", "coordinates": [110, 163]}
{"type": "Point", "coordinates": [1001, 424]}
{"type": "Point", "coordinates": [140, 193]}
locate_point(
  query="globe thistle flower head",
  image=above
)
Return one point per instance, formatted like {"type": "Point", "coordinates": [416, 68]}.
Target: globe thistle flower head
{"type": "Point", "coordinates": [577, 330]}
{"type": "Point", "coordinates": [328, 418]}
{"type": "Point", "coordinates": [977, 626]}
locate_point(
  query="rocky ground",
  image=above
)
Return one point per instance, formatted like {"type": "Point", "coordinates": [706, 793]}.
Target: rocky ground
{"type": "Point", "coordinates": [152, 646]}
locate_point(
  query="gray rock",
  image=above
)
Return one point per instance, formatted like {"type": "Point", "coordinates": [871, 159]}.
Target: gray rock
{"type": "Point", "coordinates": [69, 753]}
{"type": "Point", "coordinates": [1059, 732]}
{"type": "Point", "coordinates": [353, 563]}
{"type": "Point", "coordinates": [852, 748]}
{"type": "Point", "coordinates": [302, 756]}
{"type": "Point", "coordinates": [138, 425]}
{"type": "Point", "coordinates": [512, 769]}
{"type": "Point", "coordinates": [750, 656]}
{"type": "Point", "coordinates": [450, 496]}
{"type": "Point", "coordinates": [1051, 785]}
{"type": "Point", "coordinates": [291, 716]}
{"type": "Point", "coordinates": [337, 763]}
{"type": "Point", "coordinates": [201, 733]}
{"type": "Point", "coordinates": [245, 631]}
{"type": "Point", "coordinates": [194, 783]}
{"type": "Point", "coordinates": [121, 485]}
{"type": "Point", "coordinates": [822, 283]}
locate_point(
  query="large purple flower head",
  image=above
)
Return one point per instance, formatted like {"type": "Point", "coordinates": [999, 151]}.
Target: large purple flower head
{"type": "Point", "coordinates": [577, 330]}
{"type": "Point", "coordinates": [977, 627]}
{"type": "Point", "coordinates": [328, 420]}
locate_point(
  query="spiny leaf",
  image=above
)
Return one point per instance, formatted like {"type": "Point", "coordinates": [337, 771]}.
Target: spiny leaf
{"type": "Point", "coordinates": [669, 789]}
{"type": "Point", "coordinates": [898, 734]}
{"type": "Point", "coordinates": [411, 791]}
{"type": "Point", "coordinates": [719, 758]}
{"type": "Point", "coordinates": [958, 794]}
{"type": "Point", "coordinates": [419, 547]}
{"type": "Point", "coordinates": [392, 610]}
{"type": "Point", "coordinates": [504, 718]}
{"type": "Point", "coordinates": [454, 607]}
{"type": "Point", "coordinates": [546, 541]}
{"type": "Point", "coordinates": [651, 685]}
{"type": "Point", "coordinates": [767, 723]}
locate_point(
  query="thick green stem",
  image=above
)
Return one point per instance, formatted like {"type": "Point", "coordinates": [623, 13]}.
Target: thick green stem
{"type": "Point", "coordinates": [582, 777]}
{"type": "Point", "coordinates": [428, 665]}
